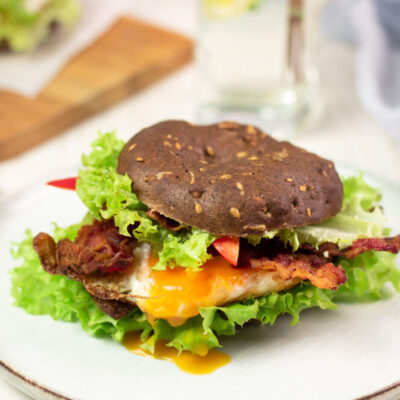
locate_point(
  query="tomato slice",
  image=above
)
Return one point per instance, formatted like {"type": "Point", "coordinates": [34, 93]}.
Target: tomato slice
{"type": "Point", "coordinates": [67, 183]}
{"type": "Point", "coordinates": [228, 248]}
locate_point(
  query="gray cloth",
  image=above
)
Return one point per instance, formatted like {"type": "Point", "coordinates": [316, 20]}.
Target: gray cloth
{"type": "Point", "coordinates": [374, 27]}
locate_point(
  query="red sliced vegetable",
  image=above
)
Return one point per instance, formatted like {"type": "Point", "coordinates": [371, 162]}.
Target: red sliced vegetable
{"type": "Point", "coordinates": [228, 248]}
{"type": "Point", "coordinates": [67, 183]}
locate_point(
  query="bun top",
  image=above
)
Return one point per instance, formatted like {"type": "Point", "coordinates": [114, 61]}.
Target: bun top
{"type": "Point", "coordinates": [229, 179]}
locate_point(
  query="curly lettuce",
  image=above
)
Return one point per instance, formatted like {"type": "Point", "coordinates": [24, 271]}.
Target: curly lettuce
{"type": "Point", "coordinates": [108, 194]}
{"type": "Point", "coordinates": [23, 28]}
{"type": "Point", "coordinates": [38, 292]}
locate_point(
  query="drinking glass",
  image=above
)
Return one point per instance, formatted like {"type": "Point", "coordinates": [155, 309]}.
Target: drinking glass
{"type": "Point", "coordinates": [255, 61]}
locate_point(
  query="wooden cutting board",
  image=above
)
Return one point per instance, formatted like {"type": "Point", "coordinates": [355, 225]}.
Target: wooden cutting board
{"type": "Point", "coordinates": [125, 59]}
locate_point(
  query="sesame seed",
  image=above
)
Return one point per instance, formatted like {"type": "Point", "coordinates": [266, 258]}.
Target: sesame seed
{"type": "Point", "coordinates": [289, 180]}
{"type": "Point", "coordinates": [324, 173]}
{"type": "Point", "coordinates": [169, 136]}
{"type": "Point", "coordinates": [203, 162]}
{"type": "Point", "coordinates": [210, 151]}
{"type": "Point", "coordinates": [239, 185]}
{"type": "Point", "coordinates": [227, 125]}
{"type": "Point", "coordinates": [260, 227]}
{"type": "Point", "coordinates": [250, 129]}
{"type": "Point", "coordinates": [303, 188]}
{"type": "Point", "coordinates": [225, 176]}
{"type": "Point", "coordinates": [166, 143]}
{"type": "Point", "coordinates": [268, 215]}
{"type": "Point", "coordinates": [253, 158]}
{"type": "Point", "coordinates": [330, 165]}
{"type": "Point", "coordinates": [140, 159]}
{"type": "Point", "coordinates": [198, 208]}
{"type": "Point", "coordinates": [190, 147]}
{"type": "Point", "coordinates": [196, 194]}
{"type": "Point", "coordinates": [160, 175]}
{"type": "Point", "coordinates": [241, 154]}
{"type": "Point", "coordinates": [235, 212]}
{"type": "Point", "coordinates": [132, 146]}
{"type": "Point", "coordinates": [309, 213]}
{"type": "Point", "coordinates": [201, 169]}
{"type": "Point", "coordinates": [178, 145]}
{"type": "Point", "coordinates": [192, 179]}
{"type": "Point", "coordinates": [242, 192]}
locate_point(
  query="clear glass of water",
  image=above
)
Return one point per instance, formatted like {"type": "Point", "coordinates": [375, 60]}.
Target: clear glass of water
{"type": "Point", "coordinates": [255, 61]}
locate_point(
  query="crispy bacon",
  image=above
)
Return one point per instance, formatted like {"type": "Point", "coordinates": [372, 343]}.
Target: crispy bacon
{"type": "Point", "coordinates": [98, 248]}
{"type": "Point", "coordinates": [391, 244]}
{"type": "Point", "coordinates": [164, 221]}
{"type": "Point", "coordinates": [360, 246]}
{"type": "Point", "coordinates": [324, 276]}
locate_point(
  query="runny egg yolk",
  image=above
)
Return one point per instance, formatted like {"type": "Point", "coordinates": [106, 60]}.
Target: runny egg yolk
{"type": "Point", "coordinates": [176, 294]}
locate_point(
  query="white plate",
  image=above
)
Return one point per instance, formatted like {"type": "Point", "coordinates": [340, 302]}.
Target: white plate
{"type": "Point", "coordinates": [341, 354]}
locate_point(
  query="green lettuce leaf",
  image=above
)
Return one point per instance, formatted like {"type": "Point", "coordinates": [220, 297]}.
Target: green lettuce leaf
{"type": "Point", "coordinates": [359, 217]}
{"type": "Point", "coordinates": [108, 194]}
{"type": "Point", "coordinates": [38, 292]}
{"type": "Point", "coordinates": [24, 29]}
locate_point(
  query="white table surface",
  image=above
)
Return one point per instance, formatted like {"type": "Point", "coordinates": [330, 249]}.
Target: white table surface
{"type": "Point", "coordinates": [344, 133]}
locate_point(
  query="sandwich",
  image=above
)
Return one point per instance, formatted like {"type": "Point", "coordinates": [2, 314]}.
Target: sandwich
{"type": "Point", "coordinates": [194, 231]}
{"type": "Point", "coordinates": [24, 24]}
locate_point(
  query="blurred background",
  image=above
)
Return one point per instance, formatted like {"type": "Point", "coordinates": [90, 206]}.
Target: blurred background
{"type": "Point", "coordinates": [324, 74]}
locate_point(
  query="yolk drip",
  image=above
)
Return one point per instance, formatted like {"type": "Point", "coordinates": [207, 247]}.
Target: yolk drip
{"type": "Point", "coordinates": [179, 292]}
{"type": "Point", "coordinates": [186, 361]}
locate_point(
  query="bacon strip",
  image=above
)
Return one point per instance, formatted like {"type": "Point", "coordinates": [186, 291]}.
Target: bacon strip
{"type": "Point", "coordinates": [391, 244]}
{"type": "Point", "coordinates": [324, 276]}
{"type": "Point", "coordinates": [360, 246]}
{"type": "Point", "coordinates": [98, 248]}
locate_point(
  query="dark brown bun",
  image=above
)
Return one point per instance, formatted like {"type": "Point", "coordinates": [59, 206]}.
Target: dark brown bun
{"type": "Point", "coordinates": [229, 179]}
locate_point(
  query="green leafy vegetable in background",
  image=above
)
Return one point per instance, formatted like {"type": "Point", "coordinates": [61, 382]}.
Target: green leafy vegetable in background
{"type": "Point", "coordinates": [108, 194]}
{"type": "Point", "coordinates": [23, 29]}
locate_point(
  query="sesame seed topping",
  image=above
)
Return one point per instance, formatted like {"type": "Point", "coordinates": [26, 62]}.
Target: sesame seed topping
{"type": "Point", "coordinates": [242, 192]}
{"type": "Point", "coordinates": [239, 185]}
{"type": "Point", "coordinates": [309, 213]}
{"type": "Point", "coordinates": [196, 194]}
{"type": "Point", "coordinates": [235, 212]}
{"type": "Point", "coordinates": [190, 147]}
{"type": "Point", "coordinates": [140, 159]}
{"type": "Point", "coordinates": [210, 151]}
{"type": "Point", "coordinates": [178, 145]}
{"type": "Point", "coordinates": [132, 146]}
{"type": "Point", "coordinates": [192, 179]}
{"type": "Point", "coordinates": [324, 173]}
{"type": "Point", "coordinates": [169, 136]}
{"type": "Point", "coordinates": [303, 188]}
{"type": "Point", "coordinates": [160, 175]}
{"type": "Point", "coordinates": [289, 180]}
{"type": "Point", "coordinates": [253, 158]}
{"type": "Point", "coordinates": [166, 143]}
{"type": "Point", "coordinates": [330, 165]}
{"type": "Point", "coordinates": [260, 227]}
{"type": "Point", "coordinates": [225, 176]}
{"type": "Point", "coordinates": [203, 162]}
{"type": "Point", "coordinates": [227, 125]}
{"type": "Point", "coordinates": [241, 154]}
{"type": "Point", "coordinates": [201, 169]}
{"type": "Point", "coordinates": [198, 208]}
{"type": "Point", "coordinates": [250, 129]}
{"type": "Point", "coordinates": [280, 155]}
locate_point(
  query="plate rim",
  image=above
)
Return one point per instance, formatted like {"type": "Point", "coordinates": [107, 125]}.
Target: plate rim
{"type": "Point", "coordinates": [19, 380]}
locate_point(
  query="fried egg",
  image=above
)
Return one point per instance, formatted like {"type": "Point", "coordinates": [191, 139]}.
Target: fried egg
{"type": "Point", "coordinates": [176, 294]}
